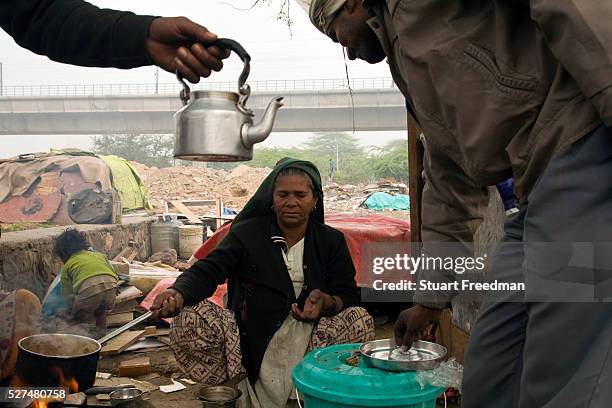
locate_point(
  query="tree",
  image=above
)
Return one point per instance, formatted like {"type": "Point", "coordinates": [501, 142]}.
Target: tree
{"type": "Point", "coordinates": [284, 9]}
{"type": "Point", "coordinates": [390, 161]}
{"type": "Point", "coordinates": [344, 150]}
{"type": "Point", "coordinates": [152, 150]}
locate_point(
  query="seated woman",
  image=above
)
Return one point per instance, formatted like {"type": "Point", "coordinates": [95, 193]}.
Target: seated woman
{"type": "Point", "coordinates": [19, 318]}
{"type": "Point", "coordinates": [291, 289]}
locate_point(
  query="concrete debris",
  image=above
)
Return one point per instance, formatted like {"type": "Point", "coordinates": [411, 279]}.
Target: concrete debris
{"type": "Point", "coordinates": [182, 183]}
{"type": "Point", "coordinates": [349, 198]}
{"type": "Point", "coordinates": [235, 187]}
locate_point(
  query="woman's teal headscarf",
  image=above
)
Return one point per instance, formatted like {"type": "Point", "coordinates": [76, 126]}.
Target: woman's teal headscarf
{"type": "Point", "coordinates": [261, 202]}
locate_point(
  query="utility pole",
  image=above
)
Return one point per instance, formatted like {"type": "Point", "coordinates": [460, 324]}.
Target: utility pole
{"type": "Point", "coordinates": [156, 80]}
{"type": "Point", "coordinates": [337, 154]}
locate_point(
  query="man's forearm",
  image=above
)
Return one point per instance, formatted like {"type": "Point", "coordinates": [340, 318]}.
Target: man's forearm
{"type": "Point", "coordinates": [76, 32]}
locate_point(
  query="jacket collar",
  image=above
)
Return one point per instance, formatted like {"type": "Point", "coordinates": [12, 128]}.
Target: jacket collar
{"type": "Point", "coordinates": [277, 236]}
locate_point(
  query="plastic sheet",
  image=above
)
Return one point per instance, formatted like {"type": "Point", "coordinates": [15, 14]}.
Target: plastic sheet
{"type": "Point", "coordinates": [380, 201]}
{"type": "Point", "coordinates": [447, 374]}
{"type": "Point", "coordinates": [358, 230]}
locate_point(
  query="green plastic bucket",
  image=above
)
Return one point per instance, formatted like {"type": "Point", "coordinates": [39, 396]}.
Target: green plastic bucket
{"type": "Point", "coordinates": [324, 380]}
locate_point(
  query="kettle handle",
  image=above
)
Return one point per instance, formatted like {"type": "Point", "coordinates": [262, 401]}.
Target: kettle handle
{"type": "Point", "coordinates": [243, 88]}
{"type": "Point", "coordinates": [233, 45]}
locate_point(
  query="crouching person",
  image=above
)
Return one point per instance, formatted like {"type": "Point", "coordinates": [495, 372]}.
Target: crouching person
{"type": "Point", "coordinates": [88, 284]}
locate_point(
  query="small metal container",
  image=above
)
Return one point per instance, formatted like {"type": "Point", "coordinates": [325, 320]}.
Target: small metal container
{"type": "Point", "coordinates": [219, 397]}
{"type": "Point", "coordinates": [126, 395]}
{"type": "Point", "coordinates": [423, 355]}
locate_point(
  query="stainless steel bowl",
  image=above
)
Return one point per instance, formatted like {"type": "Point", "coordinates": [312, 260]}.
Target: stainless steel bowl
{"type": "Point", "coordinates": [219, 396]}
{"type": "Point", "coordinates": [423, 355]}
{"type": "Point", "coordinates": [126, 395]}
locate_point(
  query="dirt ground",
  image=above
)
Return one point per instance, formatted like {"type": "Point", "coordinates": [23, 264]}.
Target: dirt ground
{"type": "Point", "coordinates": [164, 367]}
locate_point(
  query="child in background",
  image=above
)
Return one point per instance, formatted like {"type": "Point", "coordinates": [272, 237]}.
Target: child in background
{"type": "Point", "coordinates": [88, 282]}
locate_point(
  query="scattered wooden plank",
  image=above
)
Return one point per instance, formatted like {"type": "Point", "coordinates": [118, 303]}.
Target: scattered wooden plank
{"type": "Point", "coordinates": [132, 255]}
{"type": "Point", "coordinates": [122, 254]}
{"type": "Point", "coordinates": [75, 400]}
{"type": "Point", "coordinates": [127, 293]}
{"type": "Point", "coordinates": [135, 367]}
{"type": "Point", "coordinates": [143, 386]}
{"type": "Point", "coordinates": [416, 183]}
{"type": "Point", "coordinates": [219, 213]}
{"type": "Point", "coordinates": [127, 306]}
{"type": "Point", "coordinates": [150, 331]}
{"type": "Point", "coordinates": [163, 332]}
{"type": "Point", "coordinates": [119, 319]}
{"type": "Point", "coordinates": [121, 342]}
{"type": "Point", "coordinates": [121, 267]}
{"type": "Point", "coordinates": [185, 211]}
{"type": "Point", "coordinates": [93, 401]}
{"type": "Point", "coordinates": [164, 339]}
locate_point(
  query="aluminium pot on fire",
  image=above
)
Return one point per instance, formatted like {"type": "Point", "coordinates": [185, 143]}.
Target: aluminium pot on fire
{"type": "Point", "coordinates": [52, 360]}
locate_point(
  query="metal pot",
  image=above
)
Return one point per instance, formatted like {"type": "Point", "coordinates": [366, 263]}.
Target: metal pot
{"type": "Point", "coordinates": [127, 395]}
{"type": "Point", "coordinates": [52, 360]}
{"type": "Point", "coordinates": [217, 126]}
{"type": "Point", "coordinates": [219, 396]}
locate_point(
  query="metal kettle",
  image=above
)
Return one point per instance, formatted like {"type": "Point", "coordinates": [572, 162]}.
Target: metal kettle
{"type": "Point", "coordinates": [217, 125]}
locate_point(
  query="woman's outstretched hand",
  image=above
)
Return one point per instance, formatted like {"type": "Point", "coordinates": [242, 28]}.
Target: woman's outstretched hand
{"type": "Point", "coordinates": [318, 304]}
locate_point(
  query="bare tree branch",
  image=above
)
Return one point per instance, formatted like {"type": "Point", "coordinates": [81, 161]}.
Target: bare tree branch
{"type": "Point", "coordinates": [283, 14]}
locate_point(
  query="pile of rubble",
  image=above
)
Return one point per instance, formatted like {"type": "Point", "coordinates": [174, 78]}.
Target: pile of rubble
{"type": "Point", "coordinates": [234, 187]}
{"type": "Point", "coordinates": [349, 198]}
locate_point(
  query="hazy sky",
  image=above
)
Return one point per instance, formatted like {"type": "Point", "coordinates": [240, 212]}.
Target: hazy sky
{"type": "Point", "coordinates": [276, 53]}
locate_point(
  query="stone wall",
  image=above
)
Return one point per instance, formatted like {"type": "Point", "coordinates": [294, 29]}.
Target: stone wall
{"type": "Point", "coordinates": [27, 260]}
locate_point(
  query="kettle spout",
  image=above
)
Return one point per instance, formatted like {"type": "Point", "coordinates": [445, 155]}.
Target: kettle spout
{"type": "Point", "coordinates": [252, 134]}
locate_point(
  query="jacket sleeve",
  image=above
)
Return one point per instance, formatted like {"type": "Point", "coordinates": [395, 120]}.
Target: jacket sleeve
{"type": "Point", "coordinates": [76, 32]}
{"type": "Point", "coordinates": [341, 280]}
{"type": "Point", "coordinates": [452, 209]}
{"type": "Point", "coordinates": [201, 280]}
{"type": "Point", "coordinates": [579, 33]}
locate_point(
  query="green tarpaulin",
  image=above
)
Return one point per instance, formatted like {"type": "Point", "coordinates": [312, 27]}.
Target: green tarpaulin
{"type": "Point", "coordinates": [128, 183]}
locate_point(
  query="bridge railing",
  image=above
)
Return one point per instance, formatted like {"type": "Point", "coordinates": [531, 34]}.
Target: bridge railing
{"type": "Point", "coordinates": [275, 85]}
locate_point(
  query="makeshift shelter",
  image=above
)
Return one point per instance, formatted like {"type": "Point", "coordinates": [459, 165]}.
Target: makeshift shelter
{"type": "Point", "coordinates": [67, 187]}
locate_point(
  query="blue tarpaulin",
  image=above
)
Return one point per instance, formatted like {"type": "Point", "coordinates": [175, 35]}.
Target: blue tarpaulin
{"type": "Point", "coordinates": [53, 303]}
{"type": "Point", "coordinates": [385, 201]}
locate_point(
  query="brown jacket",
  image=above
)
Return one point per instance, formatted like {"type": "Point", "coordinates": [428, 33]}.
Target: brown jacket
{"type": "Point", "coordinates": [497, 86]}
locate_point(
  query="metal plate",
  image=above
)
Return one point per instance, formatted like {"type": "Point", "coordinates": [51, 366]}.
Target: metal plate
{"type": "Point", "coordinates": [384, 354]}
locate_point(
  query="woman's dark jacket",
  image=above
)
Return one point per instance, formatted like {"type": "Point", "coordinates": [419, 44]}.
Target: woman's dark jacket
{"type": "Point", "coordinates": [76, 32]}
{"type": "Point", "coordinates": [259, 287]}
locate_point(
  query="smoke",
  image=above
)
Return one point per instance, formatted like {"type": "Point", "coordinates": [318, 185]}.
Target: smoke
{"type": "Point", "coordinates": [58, 325]}
{"type": "Point", "coordinates": [59, 345]}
